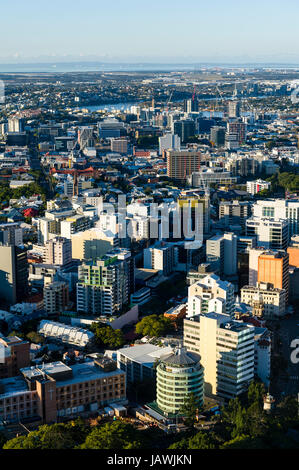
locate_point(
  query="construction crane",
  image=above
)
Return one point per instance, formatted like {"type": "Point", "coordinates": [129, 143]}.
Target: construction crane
{"type": "Point", "coordinates": [169, 100]}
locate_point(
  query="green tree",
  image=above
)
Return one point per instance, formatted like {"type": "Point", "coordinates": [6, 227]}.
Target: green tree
{"type": "Point", "coordinates": [154, 325]}
{"type": "Point", "coordinates": [190, 409]}
{"type": "Point", "coordinates": [116, 435]}
{"type": "Point", "coordinates": [107, 336]}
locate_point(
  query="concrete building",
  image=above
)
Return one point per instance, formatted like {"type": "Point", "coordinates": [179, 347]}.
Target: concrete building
{"type": "Point", "coordinates": [57, 391]}
{"type": "Point", "coordinates": [277, 209]}
{"type": "Point", "coordinates": [11, 234]}
{"type": "Point", "coordinates": [181, 164]}
{"type": "Point", "coordinates": [234, 212]}
{"type": "Point", "coordinates": [76, 223]}
{"type": "Point", "coordinates": [105, 285]}
{"type": "Point", "coordinates": [92, 244]}
{"type": "Point", "coordinates": [227, 352]}
{"type": "Point", "coordinates": [162, 256]}
{"type": "Point", "coordinates": [293, 251]}
{"type": "Point", "coordinates": [13, 273]}
{"type": "Point", "coordinates": [272, 301]}
{"type": "Point", "coordinates": [178, 375]}
{"type": "Point", "coordinates": [210, 294]}
{"type": "Point", "coordinates": [169, 141]}
{"type": "Point", "coordinates": [271, 233]}
{"type": "Point", "coordinates": [221, 253]}
{"type": "Point", "coordinates": [56, 297]}
{"type": "Point", "coordinates": [14, 354]}
{"type": "Point", "coordinates": [273, 268]}
{"type": "Point", "coordinates": [58, 251]}
{"type": "Point", "coordinates": [254, 187]}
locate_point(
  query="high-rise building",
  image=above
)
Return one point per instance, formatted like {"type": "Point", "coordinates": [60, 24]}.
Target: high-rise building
{"type": "Point", "coordinates": [191, 106]}
{"type": "Point", "coordinates": [13, 273]}
{"type": "Point", "coordinates": [169, 141]}
{"type": "Point", "coordinates": [178, 375]}
{"type": "Point", "coordinates": [227, 352]}
{"type": "Point", "coordinates": [221, 252]}
{"type": "Point", "coordinates": [184, 129]}
{"type": "Point", "coordinates": [273, 268]}
{"type": "Point", "coordinates": [105, 285]}
{"type": "Point", "coordinates": [270, 233]}
{"type": "Point", "coordinates": [217, 136]}
{"type": "Point", "coordinates": [162, 256]}
{"type": "Point", "coordinates": [56, 297]}
{"type": "Point", "coordinates": [236, 131]}
{"type": "Point", "coordinates": [234, 212]}
{"type": "Point", "coordinates": [278, 209]}
{"type": "Point", "coordinates": [58, 251]}
{"type": "Point", "coordinates": [76, 223]}
{"type": "Point", "coordinates": [182, 164]}
{"type": "Point", "coordinates": [233, 109]}
{"type": "Point", "coordinates": [11, 234]}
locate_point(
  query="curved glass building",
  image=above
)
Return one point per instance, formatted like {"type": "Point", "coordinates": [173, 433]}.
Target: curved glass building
{"type": "Point", "coordinates": [178, 375]}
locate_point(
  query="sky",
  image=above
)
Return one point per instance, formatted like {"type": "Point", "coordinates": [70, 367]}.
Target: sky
{"type": "Point", "coordinates": [174, 31]}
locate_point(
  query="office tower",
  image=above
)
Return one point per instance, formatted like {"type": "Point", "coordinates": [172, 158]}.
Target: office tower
{"type": "Point", "coordinates": [14, 354]}
{"type": "Point", "coordinates": [270, 233]}
{"type": "Point", "coordinates": [86, 137]}
{"type": "Point", "coordinates": [236, 131]}
{"type": "Point", "coordinates": [58, 251]}
{"type": "Point", "coordinates": [56, 297]}
{"type": "Point", "coordinates": [169, 141]}
{"type": "Point", "coordinates": [221, 253]}
{"type": "Point", "coordinates": [271, 301]}
{"type": "Point", "coordinates": [227, 352]}
{"type": "Point", "coordinates": [217, 136]}
{"type": "Point", "coordinates": [273, 268]}
{"type": "Point", "coordinates": [191, 106]}
{"type": "Point", "coordinates": [13, 274]}
{"type": "Point", "coordinates": [184, 129]}
{"type": "Point", "coordinates": [234, 212]}
{"type": "Point", "coordinates": [293, 251]}
{"type": "Point", "coordinates": [162, 256]}
{"type": "Point", "coordinates": [181, 164]}
{"type": "Point", "coordinates": [279, 209]}
{"type": "Point", "coordinates": [178, 375]}
{"type": "Point", "coordinates": [210, 294]}
{"type": "Point", "coordinates": [105, 285]}
{"type": "Point", "coordinates": [233, 109]}
{"type": "Point", "coordinates": [242, 166]}
{"type": "Point", "coordinates": [16, 124]}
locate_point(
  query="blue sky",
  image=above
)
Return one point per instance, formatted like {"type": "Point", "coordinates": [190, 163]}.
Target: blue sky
{"type": "Point", "coordinates": [153, 30]}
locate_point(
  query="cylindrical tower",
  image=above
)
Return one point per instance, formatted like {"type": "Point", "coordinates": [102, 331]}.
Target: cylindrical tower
{"type": "Point", "coordinates": [178, 375]}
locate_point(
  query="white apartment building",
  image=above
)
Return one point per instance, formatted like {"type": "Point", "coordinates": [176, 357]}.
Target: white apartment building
{"type": "Point", "coordinates": [221, 252]}
{"type": "Point", "coordinates": [254, 187]}
{"type": "Point", "coordinates": [74, 224]}
{"type": "Point", "coordinates": [227, 352]}
{"type": "Point", "coordinates": [210, 294]}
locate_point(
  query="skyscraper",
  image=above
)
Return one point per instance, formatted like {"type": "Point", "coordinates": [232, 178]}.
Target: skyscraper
{"type": "Point", "coordinates": [13, 273]}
